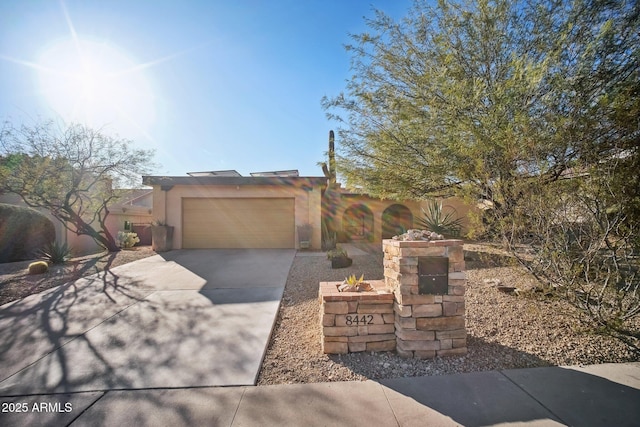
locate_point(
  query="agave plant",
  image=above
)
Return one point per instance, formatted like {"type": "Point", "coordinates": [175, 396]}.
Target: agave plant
{"type": "Point", "coordinates": [353, 281]}
{"type": "Point", "coordinates": [436, 220]}
{"type": "Point", "coordinates": [355, 284]}
{"type": "Point", "coordinates": [56, 253]}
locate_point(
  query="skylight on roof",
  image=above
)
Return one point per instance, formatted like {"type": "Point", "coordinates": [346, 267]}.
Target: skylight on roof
{"type": "Point", "coordinates": [230, 172]}
{"type": "Point", "coordinates": [291, 172]}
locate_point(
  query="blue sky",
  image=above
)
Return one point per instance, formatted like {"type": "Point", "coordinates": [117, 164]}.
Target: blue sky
{"type": "Point", "coordinates": [210, 85]}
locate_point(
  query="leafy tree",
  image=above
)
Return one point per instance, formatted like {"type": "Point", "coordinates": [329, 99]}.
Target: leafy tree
{"type": "Point", "coordinates": [486, 99]}
{"type": "Point", "coordinates": [585, 250]}
{"type": "Point", "coordinates": [71, 172]}
{"type": "Point", "coordinates": [530, 106]}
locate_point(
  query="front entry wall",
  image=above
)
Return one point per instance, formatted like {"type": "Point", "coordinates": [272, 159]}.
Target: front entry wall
{"type": "Point", "coordinates": [396, 220]}
{"type": "Point", "coordinates": [390, 218]}
{"type": "Point", "coordinates": [357, 223]}
{"type": "Point", "coordinates": [375, 224]}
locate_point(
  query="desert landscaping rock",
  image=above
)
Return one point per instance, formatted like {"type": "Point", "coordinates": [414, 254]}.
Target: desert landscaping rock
{"type": "Point", "coordinates": [504, 331]}
{"type": "Point", "coordinates": [16, 283]}
{"type": "Point", "coordinates": [413, 235]}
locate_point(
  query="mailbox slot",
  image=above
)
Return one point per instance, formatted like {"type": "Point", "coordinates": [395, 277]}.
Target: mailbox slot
{"type": "Point", "coordinates": [433, 275]}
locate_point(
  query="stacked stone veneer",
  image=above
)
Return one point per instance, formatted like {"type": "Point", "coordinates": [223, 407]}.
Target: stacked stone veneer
{"type": "Point", "coordinates": [426, 325]}
{"type": "Point", "coordinates": [357, 321]}
{"type": "Point", "coordinates": [396, 316]}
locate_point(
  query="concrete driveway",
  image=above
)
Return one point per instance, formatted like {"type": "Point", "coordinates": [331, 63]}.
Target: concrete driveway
{"type": "Point", "coordinates": [184, 318]}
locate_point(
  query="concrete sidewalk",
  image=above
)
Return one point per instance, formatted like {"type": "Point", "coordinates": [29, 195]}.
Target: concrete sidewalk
{"type": "Point", "coordinates": [598, 395]}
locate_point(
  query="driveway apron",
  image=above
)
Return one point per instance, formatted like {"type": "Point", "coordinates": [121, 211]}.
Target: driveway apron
{"type": "Point", "coordinates": [183, 318]}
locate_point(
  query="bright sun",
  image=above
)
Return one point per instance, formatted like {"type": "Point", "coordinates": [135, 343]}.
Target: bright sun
{"type": "Point", "coordinates": [95, 83]}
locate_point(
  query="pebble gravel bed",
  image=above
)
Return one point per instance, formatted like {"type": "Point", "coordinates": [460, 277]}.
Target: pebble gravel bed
{"type": "Point", "coordinates": [504, 330]}
{"type": "Point", "coordinates": [16, 283]}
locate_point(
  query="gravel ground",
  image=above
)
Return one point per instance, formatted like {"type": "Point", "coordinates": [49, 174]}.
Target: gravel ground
{"type": "Point", "coordinates": [16, 283]}
{"type": "Point", "coordinates": [504, 331]}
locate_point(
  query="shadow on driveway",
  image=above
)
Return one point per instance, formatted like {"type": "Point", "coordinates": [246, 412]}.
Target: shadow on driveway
{"type": "Point", "coordinates": [180, 320]}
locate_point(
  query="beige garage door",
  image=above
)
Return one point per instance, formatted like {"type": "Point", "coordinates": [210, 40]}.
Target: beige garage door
{"type": "Point", "coordinates": [238, 223]}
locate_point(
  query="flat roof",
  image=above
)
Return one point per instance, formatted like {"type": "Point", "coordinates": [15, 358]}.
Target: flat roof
{"type": "Point", "coordinates": [313, 181]}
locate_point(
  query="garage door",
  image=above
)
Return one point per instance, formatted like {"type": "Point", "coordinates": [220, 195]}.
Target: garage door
{"type": "Point", "coordinates": [238, 223]}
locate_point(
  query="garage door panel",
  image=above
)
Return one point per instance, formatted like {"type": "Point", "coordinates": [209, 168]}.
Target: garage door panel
{"type": "Point", "coordinates": [238, 223]}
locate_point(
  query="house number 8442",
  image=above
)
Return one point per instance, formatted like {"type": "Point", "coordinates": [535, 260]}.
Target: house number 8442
{"type": "Point", "coordinates": [365, 319]}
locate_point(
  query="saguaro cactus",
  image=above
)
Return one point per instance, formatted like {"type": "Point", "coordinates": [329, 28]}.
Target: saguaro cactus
{"type": "Point", "coordinates": [330, 170]}
{"type": "Point", "coordinates": [330, 197]}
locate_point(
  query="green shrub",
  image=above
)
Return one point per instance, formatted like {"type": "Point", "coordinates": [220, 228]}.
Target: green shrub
{"type": "Point", "coordinates": [56, 253]}
{"type": "Point", "coordinates": [38, 267]}
{"type": "Point", "coordinates": [337, 253]}
{"type": "Point", "coordinates": [127, 239]}
{"type": "Point", "coordinates": [23, 233]}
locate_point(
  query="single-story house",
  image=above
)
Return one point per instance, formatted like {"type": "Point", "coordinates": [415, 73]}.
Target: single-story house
{"type": "Point", "coordinates": [222, 209]}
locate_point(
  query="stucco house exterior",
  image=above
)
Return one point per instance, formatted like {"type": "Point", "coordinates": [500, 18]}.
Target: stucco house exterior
{"type": "Point", "coordinates": [222, 209]}
{"type": "Point", "coordinates": [133, 212]}
{"type": "Point", "coordinates": [361, 217]}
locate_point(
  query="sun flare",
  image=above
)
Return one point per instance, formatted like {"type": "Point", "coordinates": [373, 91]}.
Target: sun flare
{"type": "Point", "coordinates": [95, 83]}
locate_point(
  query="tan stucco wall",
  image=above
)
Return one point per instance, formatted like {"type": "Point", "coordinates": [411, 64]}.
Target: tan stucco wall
{"type": "Point", "coordinates": [115, 221]}
{"type": "Point", "coordinates": [378, 206]}
{"type": "Point", "coordinates": [167, 205]}
{"type": "Point", "coordinates": [461, 208]}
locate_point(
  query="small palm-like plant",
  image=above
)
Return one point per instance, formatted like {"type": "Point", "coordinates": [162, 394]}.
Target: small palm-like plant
{"type": "Point", "coordinates": [436, 220]}
{"type": "Point", "coordinates": [56, 253]}
{"type": "Point", "coordinates": [355, 284]}
{"type": "Point", "coordinates": [353, 281]}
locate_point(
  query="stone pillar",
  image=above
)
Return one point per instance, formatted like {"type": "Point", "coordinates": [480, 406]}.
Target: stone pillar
{"type": "Point", "coordinates": [356, 321]}
{"type": "Point", "coordinates": [426, 324]}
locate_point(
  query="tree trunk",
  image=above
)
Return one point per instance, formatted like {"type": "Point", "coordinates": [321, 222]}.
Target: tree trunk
{"type": "Point", "coordinates": [104, 239]}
